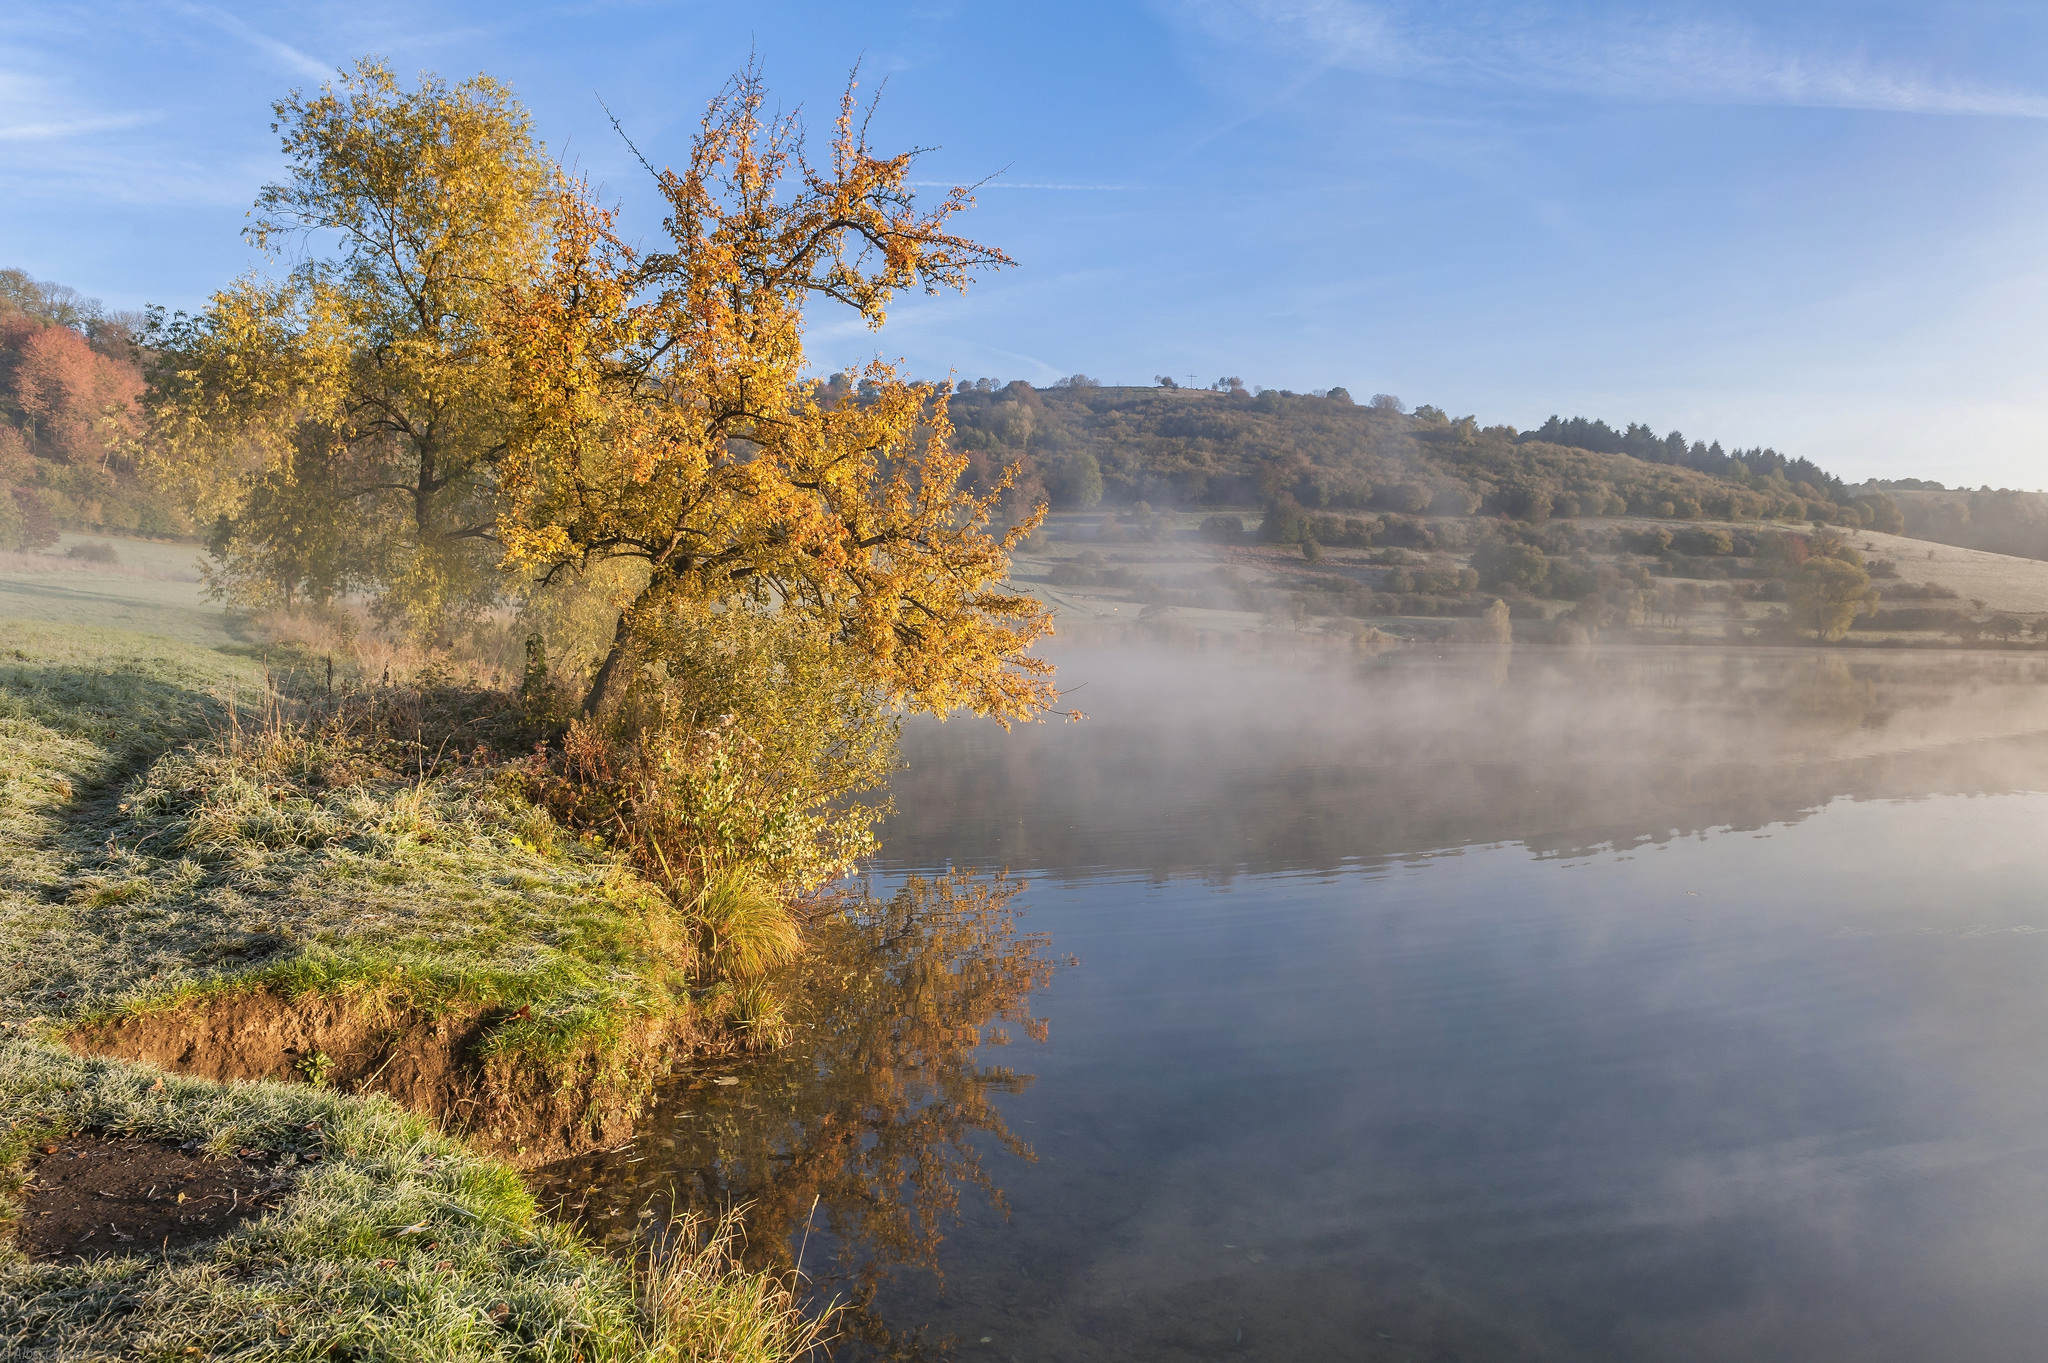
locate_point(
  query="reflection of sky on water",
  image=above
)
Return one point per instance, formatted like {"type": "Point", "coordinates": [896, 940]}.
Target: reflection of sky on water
{"type": "Point", "coordinates": [1501, 1108]}
{"type": "Point", "coordinates": [1638, 1007]}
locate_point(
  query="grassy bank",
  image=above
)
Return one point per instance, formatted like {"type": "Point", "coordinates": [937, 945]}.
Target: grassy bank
{"type": "Point", "coordinates": [176, 848]}
{"type": "Point", "coordinates": [395, 1242]}
{"type": "Point", "coordinates": [182, 855]}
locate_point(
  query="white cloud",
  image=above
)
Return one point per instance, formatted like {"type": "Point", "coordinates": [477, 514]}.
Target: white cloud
{"type": "Point", "coordinates": [50, 130]}
{"type": "Point", "coordinates": [36, 108]}
{"type": "Point", "coordinates": [1006, 184]}
{"type": "Point", "coordinates": [1644, 58]}
{"type": "Point", "coordinates": [281, 52]}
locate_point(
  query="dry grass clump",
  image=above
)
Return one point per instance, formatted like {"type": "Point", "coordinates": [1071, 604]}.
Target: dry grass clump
{"type": "Point", "coordinates": [696, 1303]}
{"type": "Point", "coordinates": [748, 930]}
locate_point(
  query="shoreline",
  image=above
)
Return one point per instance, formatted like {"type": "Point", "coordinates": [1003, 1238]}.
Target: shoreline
{"type": "Point", "coordinates": [269, 923]}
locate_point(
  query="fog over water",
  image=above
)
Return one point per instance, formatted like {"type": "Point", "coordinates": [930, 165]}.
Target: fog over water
{"type": "Point", "coordinates": [1623, 1004]}
{"type": "Point", "coordinates": [1223, 764]}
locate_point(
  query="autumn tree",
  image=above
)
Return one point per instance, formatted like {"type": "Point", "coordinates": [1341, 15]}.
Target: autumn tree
{"type": "Point", "coordinates": [669, 427]}
{"type": "Point", "coordinates": [68, 414]}
{"type": "Point", "coordinates": [342, 427]}
{"type": "Point", "coordinates": [1828, 594]}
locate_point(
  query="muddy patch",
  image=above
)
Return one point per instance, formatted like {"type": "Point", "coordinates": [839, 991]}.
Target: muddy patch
{"type": "Point", "coordinates": [89, 1196]}
{"type": "Point", "coordinates": [517, 1110]}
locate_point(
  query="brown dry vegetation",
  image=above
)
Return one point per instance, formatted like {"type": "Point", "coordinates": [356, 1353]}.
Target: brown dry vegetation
{"type": "Point", "coordinates": [435, 1064]}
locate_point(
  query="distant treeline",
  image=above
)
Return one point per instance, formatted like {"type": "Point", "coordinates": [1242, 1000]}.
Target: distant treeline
{"type": "Point", "coordinates": [1078, 443]}
{"type": "Point", "coordinates": [1639, 440]}
{"type": "Point", "coordinates": [72, 375]}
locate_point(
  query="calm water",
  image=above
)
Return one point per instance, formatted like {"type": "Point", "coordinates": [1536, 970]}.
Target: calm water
{"type": "Point", "coordinates": [1620, 1005]}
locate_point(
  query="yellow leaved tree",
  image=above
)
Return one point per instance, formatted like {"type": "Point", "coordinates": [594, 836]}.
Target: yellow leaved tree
{"type": "Point", "coordinates": [668, 424]}
{"type": "Point", "coordinates": [340, 429]}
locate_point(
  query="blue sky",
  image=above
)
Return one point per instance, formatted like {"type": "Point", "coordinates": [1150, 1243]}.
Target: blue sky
{"type": "Point", "coordinates": [1815, 226]}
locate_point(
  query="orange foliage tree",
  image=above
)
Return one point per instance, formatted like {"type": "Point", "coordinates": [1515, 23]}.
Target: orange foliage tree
{"type": "Point", "coordinates": [68, 414]}
{"type": "Point", "coordinates": [668, 427]}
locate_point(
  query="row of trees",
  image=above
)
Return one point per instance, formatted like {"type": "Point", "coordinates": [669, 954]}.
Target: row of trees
{"type": "Point", "coordinates": [1638, 440]}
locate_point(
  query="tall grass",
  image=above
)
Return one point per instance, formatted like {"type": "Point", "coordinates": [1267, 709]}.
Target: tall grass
{"type": "Point", "coordinates": [748, 930]}
{"type": "Point", "coordinates": [698, 1303]}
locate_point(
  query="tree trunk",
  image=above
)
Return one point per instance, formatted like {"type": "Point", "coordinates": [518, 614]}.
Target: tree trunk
{"type": "Point", "coordinates": [600, 685]}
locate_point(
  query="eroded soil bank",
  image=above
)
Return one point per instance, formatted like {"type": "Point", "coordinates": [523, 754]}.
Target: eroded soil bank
{"type": "Point", "coordinates": [521, 1111]}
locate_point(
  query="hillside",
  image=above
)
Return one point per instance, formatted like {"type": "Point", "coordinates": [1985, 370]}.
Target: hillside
{"type": "Point", "coordinates": [2001, 521]}
{"type": "Point", "coordinates": [1639, 579]}
{"type": "Point", "coordinates": [1080, 444]}
{"type": "Point", "coordinates": [2002, 582]}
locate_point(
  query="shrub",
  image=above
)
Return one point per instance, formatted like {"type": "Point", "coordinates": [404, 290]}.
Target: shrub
{"type": "Point", "coordinates": [1504, 565]}
{"type": "Point", "coordinates": [1653, 541]}
{"type": "Point", "coordinates": [1283, 522]}
{"type": "Point", "coordinates": [1408, 497]}
{"type": "Point", "coordinates": [1706, 543]}
{"type": "Point", "coordinates": [1921, 591]}
{"type": "Point", "coordinates": [741, 744]}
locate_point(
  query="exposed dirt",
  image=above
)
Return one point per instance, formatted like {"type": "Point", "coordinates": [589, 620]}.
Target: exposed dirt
{"type": "Point", "coordinates": [89, 1196]}
{"type": "Point", "coordinates": [429, 1064]}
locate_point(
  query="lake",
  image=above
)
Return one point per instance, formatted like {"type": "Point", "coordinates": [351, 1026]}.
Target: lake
{"type": "Point", "coordinates": [1611, 1004]}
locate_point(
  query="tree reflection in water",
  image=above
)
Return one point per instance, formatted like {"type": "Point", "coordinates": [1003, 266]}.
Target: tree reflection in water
{"type": "Point", "coordinates": [852, 1144]}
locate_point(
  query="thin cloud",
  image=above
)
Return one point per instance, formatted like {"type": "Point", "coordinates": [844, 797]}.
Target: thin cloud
{"type": "Point", "coordinates": [1006, 184]}
{"type": "Point", "coordinates": [284, 53]}
{"type": "Point", "coordinates": [56, 129]}
{"type": "Point", "coordinates": [1645, 59]}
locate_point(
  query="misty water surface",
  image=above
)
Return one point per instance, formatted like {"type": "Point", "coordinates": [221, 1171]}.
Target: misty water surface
{"type": "Point", "coordinates": [1632, 1004]}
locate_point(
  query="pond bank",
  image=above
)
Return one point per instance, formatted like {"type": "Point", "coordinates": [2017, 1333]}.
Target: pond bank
{"type": "Point", "coordinates": [243, 922]}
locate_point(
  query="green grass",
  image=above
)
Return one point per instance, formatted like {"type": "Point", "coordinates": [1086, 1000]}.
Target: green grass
{"type": "Point", "coordinates": [159, 848]}
{"type": "Point", "coordinates": [396, 1243]}
{"type": "Point", "coordinates": [152, 589]}
{"type": "Point", "coordinates": [270, 858]}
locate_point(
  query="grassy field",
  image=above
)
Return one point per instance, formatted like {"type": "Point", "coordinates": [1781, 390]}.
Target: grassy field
{"type": "Point", "coordinates": [1256, 588]}
{"type": "Point", "coordinates": [2017, 586]}
{"type": "Point", "coordinates": [394, 1242]}
{"type": "Point", "coordinates": [150, 588]}
{"type": "Point", "coordinates": [173, 850]}
{"type": "Point", "coordinates": [173, 845]}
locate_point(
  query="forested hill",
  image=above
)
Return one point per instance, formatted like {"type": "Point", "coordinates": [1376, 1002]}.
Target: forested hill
{"type": "Point", "coordinates": [1078, 443]}
{"type": "Point", "coordinates": [1639, 440]}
